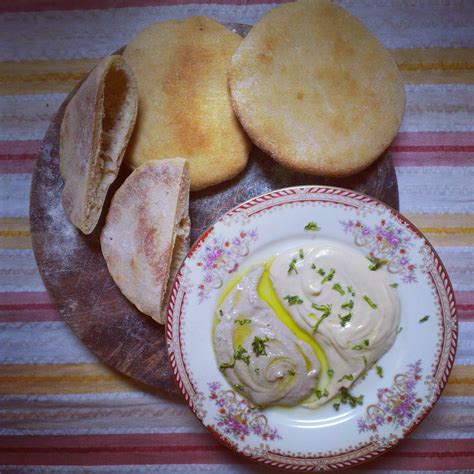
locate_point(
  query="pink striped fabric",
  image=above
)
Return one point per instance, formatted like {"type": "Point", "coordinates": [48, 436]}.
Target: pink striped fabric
{"type": "Point", "coordinates": [61, 409]}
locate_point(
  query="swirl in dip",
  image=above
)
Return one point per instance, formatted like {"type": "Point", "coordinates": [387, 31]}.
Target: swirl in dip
{"type": "Point", "coordinates": [298, 328]}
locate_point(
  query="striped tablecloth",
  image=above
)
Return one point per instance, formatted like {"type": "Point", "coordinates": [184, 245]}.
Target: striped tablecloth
{"type": "Point", "coordinates": [61, 409]}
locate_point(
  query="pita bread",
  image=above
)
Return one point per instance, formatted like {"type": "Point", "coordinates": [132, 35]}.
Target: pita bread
{"type": "Point", "coordinates": [95, 130]}
{"type": "Point", "coordinates": [185, 109]}
{"type": "Point", "coordinates": [316, 90]}
{"type": "Point", "coordinates": [146, 234]}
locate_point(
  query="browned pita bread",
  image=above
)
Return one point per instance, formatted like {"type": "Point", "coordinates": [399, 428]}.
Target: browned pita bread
{"type": "Point", "coordinates": [185, 109]}
{"type": "Point", "coordinates": [96, 127]}
{"type": "Point", "coordinates": [146, 235]}
{"type": "Point", "coordinates": [316, 90]}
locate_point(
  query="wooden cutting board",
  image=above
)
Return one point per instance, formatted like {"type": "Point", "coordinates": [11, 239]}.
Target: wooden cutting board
{"type": "Point", "coordinates": [75, 273]}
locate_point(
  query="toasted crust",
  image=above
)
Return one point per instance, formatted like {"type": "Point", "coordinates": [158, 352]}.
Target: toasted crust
{"type": "Point", "coordinates": [95, 131]}
{"type": "Point", "coordinates": [313, 88]}
{"type": "Point", "coordinates": [146, 235]}
{"type": "Point", "coordinates": [185, 109]}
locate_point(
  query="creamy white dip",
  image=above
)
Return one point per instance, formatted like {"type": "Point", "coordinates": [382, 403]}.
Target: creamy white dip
{"type": "Point", "coordinates": [331, 307]}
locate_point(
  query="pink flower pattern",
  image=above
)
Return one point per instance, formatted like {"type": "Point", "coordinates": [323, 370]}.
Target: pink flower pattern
{"type": "Point", "coordinates": [221, 258]}
{"type": "Point", "coordinates": [396, 405]}
{"type": "Point", "coordinates": [385, 241]}
{"type": "Point", "coordinates": [239, 418]}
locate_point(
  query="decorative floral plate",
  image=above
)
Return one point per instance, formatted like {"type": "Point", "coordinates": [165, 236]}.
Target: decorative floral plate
{"type": "Point", "coordinates": [415, 369]}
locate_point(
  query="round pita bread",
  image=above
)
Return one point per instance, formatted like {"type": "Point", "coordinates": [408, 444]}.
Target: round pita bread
{"type": "Point", "coordinates": [184, 101]}
{"type": "Point", "coordinates": [313, 88]}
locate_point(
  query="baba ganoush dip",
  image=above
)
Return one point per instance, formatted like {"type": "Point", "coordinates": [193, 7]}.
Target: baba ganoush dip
{"type": "Point", "coordinates": [301, 327]}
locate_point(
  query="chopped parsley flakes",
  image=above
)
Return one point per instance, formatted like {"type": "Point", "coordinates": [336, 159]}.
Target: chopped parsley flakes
{"type": "Point", "coordinates": [348, 305]}
{"type": "Point", "coordinates": [376, 263]}
{"type": "Point", "coordinates": [329, 276]}
{"type": "Point", "coordinates": [347, 398]}
{"type": "Point", "coordinates": [320, 320]}
{"type": "Point", "coordinates": [293, 299]}
{"type": "Point", "coordinates": [344, 319]}
{"type": "Point", "coordinates": [242, 321]}
{"type": "Point", "coordinates": [312, 226]}
{"type": "Point", "coordinates": [349, 377]}
{"type": "Point", "coordinates": [379, 371]}
{"type": "Point", "coordinates": [424, 319]}
{"type": "Point", "coordinates": [369, 302]}
{"type": "Point", "coordinates": [239, 354]}
{"type": "Point", "coordinates": [258, 346]}
{"type": "Point", "coordinates": [292, 267]}
{"type": "Point", "coordinates": [325, 308]}
{"type": "Point", "coordinates": [320, 394]}
{"type": "Point", "coordinates": [361, 347]}
{"type": "Point", "coordinates": [337, 287]}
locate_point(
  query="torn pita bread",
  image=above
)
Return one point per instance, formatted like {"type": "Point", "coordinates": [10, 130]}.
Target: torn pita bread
{"type": "Point", "coordinates": [146, 234]}
{"type": "Point", "coordinates": [95, 131]}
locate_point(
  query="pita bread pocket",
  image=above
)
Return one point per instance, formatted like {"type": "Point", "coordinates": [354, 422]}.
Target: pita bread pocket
{"type": "Point", "coordinates": [95, 131]}
{"type": "Point", "coordinates": [316, 90]}
{"type": "Point", "coordinates": [146, 234]}
{"type": "Point", "coordinates": [185, 108]}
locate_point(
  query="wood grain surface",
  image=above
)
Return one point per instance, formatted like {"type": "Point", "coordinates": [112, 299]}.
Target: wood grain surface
{"type": "Point", "coordinates": [75, 273]}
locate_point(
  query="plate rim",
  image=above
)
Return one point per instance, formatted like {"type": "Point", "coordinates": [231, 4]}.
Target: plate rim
{"type": "Point", "coordinates": [314, 462]}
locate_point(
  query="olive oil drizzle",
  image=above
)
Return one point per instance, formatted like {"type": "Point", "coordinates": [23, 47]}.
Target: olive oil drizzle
{"type": "Point", "coordinates": [267, 293]}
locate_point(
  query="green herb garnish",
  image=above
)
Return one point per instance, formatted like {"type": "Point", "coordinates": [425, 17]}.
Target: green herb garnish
{"type": "Point", "coordinates": [291, 372]}
{"type": "Point", "coordinates": [349, 377]}
{"type": "Point", "coordinates": [399, 330]}
{"type": "Point", "coordinates": [379, 371]}
{"type": "Point", "coordinates": [311, 226]}
{"type": "Point", "coordinates": [320, 320]}
{"type": "Point", "coordinates": [242, 321]}
{"type": "Point", "coordinates": [321, 272]}
{"type": "Point", "coordinates": [221, 312]}
{"type": "Point", "coordinates": [330, 372]}
{"type": "Point", "coordinates": [313, 266]}
{"type": "Point", "coordinates": [292, 267]}
{"type": "Point", "coordinates": [376, 263]}
{"type": "Point", "coordinates": [325, 308]}
{"type": "Point", "coordinates": [369, 302]}
{"type": "Point", "coordinates": [301, 253]}
{"type": "Point", "coordinates": [361, 347]}
{"type": "Point", "coordinates": [424, 319]}
{"type": "Point", "coordinates": [336, 406]}
{"type": "Point", "coordinates": [258, 346]}
{"type": "Point", "coordinates": [239, 354]}
{"type": "Point", "coordinates": [348, 398]}
{"type": "Point", "coordinates": [348, 305]}
{"type": "Point", "coordinates": [350, 290]}
{"type": "Point", "coordinates": [293, 299]}
{"type": "Point", "coordinates": [344, 319]}
{"type": "Point", "coordinates": [329, 276]}
{"type": "Point", "coordinates": [320, 394]}
{"type": "Point", "coordinates": [337, 287]}
{"type": "Point", "coordinates": [394, 285]}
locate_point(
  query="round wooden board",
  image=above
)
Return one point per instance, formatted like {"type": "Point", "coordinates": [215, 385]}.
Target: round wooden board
{"type": "Point", "coordinates": [75, 273]}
